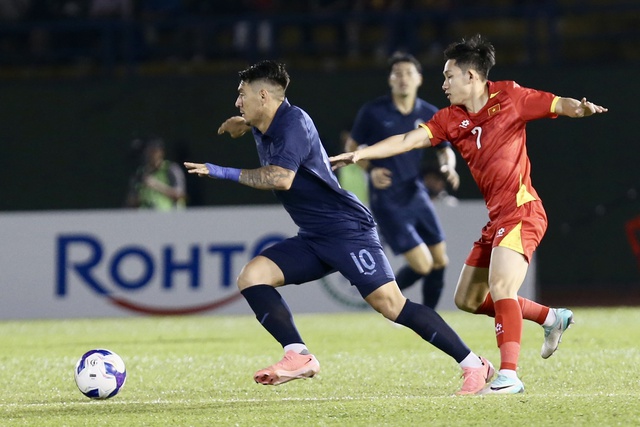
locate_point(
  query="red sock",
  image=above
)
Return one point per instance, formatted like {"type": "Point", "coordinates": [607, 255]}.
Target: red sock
{"type": "Point", "coordinates": [508, 332]}
{"type": "Point", "coordinates": [531, 310]}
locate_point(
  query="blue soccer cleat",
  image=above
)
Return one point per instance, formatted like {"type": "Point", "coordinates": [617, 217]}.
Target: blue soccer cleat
{"type": "Point", "coordinates": [503, 385]}
{"type": "Point", "coordinates": [553, 333]}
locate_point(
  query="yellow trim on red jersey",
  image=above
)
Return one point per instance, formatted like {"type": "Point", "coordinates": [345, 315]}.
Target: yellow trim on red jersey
{"type": "Point", "coordinates": [553, 104]}
{"type": "Point", "coordinates": [513, 240]}
{"type": "Point", "coordinates": [424, 125]}
{"type": "Point", "coordinates": [523, 195]}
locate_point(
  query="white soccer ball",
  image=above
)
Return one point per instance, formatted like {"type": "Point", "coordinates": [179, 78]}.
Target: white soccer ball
{"type": "Point", "coordinates": [100, 374]}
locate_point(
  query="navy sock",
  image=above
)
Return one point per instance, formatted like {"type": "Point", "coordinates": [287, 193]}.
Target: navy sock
{"type": "Point", "coordinates": [432, 328]}
{"type": "Point", "coordinates": [273, 313]}
{"type": "Point", "coordinates": [406, 277]}
{"type": "Point", "coordinates": [432, 285]}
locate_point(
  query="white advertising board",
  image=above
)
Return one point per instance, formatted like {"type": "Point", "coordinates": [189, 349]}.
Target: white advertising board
{"type": "Point", "coordinates": [125, 262]}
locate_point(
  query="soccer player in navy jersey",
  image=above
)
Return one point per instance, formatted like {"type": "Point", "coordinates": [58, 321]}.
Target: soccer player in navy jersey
{"type": "Point", "coordinates": [486, 122]}
{"type": "Point", "coordinates": [336, 232]}
{"type": "Point", "coordinates": [399, 201]}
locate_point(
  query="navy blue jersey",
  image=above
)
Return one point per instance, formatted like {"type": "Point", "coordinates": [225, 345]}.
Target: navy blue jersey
{"type": "Point", "coordinates": [380, 119]}
{"type": "Point", "coordinates": [315, 201]}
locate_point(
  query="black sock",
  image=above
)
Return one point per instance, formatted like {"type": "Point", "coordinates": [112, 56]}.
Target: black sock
{"type": "Point", "coordinates": [432, 285]}
{"type": "Point", "coordinates": [273, 313]}
{"type": "Point", "coordinates": [432, 328]}
{"type": "Point", "coordinates": [406, 277]}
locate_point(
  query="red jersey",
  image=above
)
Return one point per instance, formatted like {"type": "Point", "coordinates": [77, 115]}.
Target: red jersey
{"type": "Point", "coordinates": [493, 142]}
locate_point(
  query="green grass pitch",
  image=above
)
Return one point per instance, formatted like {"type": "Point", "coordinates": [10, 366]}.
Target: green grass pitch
{"type": "Point", "coordinates": [197, 371]}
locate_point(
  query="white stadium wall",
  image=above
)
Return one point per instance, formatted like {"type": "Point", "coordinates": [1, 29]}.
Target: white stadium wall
{"type": "Point", "coordinates": [125, 262]}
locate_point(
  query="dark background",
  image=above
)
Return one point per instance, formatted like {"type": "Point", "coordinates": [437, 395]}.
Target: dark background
{"type": "Point", "coordinates": [67, 121]}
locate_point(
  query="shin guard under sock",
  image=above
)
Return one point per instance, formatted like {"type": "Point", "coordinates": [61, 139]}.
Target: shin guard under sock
{"type": "Point", "coordinates": [432, 328]}
{"type": "Point", "coordinates": [273, 313]}
{"type": "Point", "coordinates": [531, 310]}
{"type": "Point", "coordinates": [406, 277]}
{"type": "Point", "coordinates": [508, 323]}
{"type": "Point", "coordinates": [432, 285]}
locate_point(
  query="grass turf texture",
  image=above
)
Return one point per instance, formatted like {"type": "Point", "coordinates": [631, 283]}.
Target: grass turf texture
{"type": "Point", "coordinates": [197, 371]}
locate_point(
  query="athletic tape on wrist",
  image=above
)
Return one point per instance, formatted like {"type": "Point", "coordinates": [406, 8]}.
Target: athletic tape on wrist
{"type": "Point", "coordinates": [221, 172]}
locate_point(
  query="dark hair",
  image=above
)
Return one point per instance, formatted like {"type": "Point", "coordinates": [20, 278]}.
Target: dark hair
{"type": "Point", "coordinates": [272, 71]}
{"type": "Point", "coordinates": [404, 57]}
{"type": "Point", "coordinates": [476, 53]}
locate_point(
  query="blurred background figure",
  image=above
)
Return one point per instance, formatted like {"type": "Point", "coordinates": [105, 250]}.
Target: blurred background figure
{"type": "Point", "coordinates": [105, 9]}
{"type": "Point", "coordinates": [353, 178]}
{"type": "Point", "coordinates": [398, 199]}
{"type": "Point", "coordinates": [157, 183]}
{"type": "Point", "coordinates": [436, 183]}
{"type": "Point", "coordinates": [257, 32]}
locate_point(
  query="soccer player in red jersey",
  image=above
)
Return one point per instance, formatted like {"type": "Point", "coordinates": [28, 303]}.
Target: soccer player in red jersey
{"type": "Point", "coordinates": [486, 124]}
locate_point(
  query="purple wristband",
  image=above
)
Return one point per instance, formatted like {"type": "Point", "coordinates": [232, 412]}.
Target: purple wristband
{"type": "Point", "coordinates": [220, 172]}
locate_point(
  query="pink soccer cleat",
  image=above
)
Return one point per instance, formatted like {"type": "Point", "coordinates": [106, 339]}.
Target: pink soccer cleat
{"type": "Point", "coordinates": [476, 378]}
{"type": "Point", "coordinates": [292, 366]}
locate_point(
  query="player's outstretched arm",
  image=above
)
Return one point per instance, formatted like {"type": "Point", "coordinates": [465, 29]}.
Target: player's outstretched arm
{"type": "Point", "coordinates": [576, 109]}
{"type": "Point", "coordinates": [236, 126]}
{"type": "Point", "coordinates": [352, 145]}
{"type": "Point", "coordinates": [268, 177]}
{"type": "Point", "coordinates": [392, 146]}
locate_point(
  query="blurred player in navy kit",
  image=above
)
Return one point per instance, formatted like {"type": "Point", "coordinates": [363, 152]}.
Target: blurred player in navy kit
{"type": "Point", "coordinates": [399, 200]}
{"type": "Point", "coordinates": [336, 232]}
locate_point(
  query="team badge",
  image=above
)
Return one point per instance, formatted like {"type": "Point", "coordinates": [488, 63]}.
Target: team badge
{"type": "Point", "coordinates": [494, 110]}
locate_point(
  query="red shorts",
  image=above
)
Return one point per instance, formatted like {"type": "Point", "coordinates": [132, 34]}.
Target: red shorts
{"type": "Point", "coordinates": [521, 231]}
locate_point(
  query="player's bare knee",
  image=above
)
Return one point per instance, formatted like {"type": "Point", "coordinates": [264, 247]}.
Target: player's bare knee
{"type": "Point", "coordinates": [501, 290]}
{"type": "Point", "coordinates": [440, 263]}
{"type": "Point", "coordinates": [439, 266]}
{"type": "Point", "coordinates": [248, 277]}
{"type": "Point", "coordinates": [464, 304]}
{"type": "Point", "coordinates": [387, 304]}
{"type": "Point", "coordinates": [422, 268]}
{"type": "Point", "coordinates": [426, 271]}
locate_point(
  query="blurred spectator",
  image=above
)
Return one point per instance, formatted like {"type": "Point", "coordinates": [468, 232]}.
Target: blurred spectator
{"type": "Point", "coordinates": [44, 42]}
{"type": "Point", "coordinates": [104, 9]}
{"type": "Point", "coordinates": [13, 10]}
{"type": "Point", "coordinates": [73, 9]}
{"type": "Point", "coordinates": [258, 33]}
{"type": "Point", "coordinates": [158, 183]}
{"type": "Point", "coordinates": [338, 14]}
{"type": "Point", "coordinates": [158, 17]}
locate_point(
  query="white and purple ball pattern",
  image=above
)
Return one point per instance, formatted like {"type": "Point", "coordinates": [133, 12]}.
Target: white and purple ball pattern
{"type": "Point", "coordinates": [100, 374]}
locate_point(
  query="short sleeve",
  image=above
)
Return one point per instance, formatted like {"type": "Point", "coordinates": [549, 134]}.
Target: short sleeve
{"type": "Point", "coordinates": [291, 148]}
{"type": "Point", "coordinates": [359, 130]}
{"type": "Point", "coordinates": [436, 127]}
{"type": "Point", "coordinates": [532, 104]}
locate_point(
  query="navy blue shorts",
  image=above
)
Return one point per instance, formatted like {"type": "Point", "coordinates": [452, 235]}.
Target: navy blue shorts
{"type": "Point", "coordinates": [403, 228]}
{"type": "Point", "coordinates": [356, 254]}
